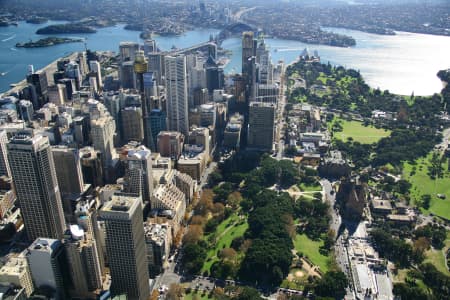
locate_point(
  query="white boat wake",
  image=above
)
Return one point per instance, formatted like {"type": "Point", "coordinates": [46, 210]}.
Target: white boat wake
{"type": "Point", "coordinates": [10, 38]}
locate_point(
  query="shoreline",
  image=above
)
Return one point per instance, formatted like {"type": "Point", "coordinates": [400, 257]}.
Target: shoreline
{"type": "Point", "coordinates": [21, 84]}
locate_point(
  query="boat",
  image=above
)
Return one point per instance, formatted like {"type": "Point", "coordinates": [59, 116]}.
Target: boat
{"type": "Point", "coordinates": [3, 73]}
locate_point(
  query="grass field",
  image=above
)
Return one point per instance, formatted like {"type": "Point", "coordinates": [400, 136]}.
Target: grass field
{"type": "Point", "coordinates": [310, 249]}
{"type": "Point", "coordinates": [437, 257]}
{"type": "Point", "coordinates": [196, 296]}
{"type": "Point", "coordinates": [422, 184]}
{"type": "Point", "coordinates": [225, 234]}
{"type": "Point", "coordinates": [310, 188]}
{"type": "Point", "coordinates": [360, 133]}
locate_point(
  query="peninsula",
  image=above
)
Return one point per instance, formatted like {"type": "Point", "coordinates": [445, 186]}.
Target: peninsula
{"type": "Point", "coordinates": [66, 28]}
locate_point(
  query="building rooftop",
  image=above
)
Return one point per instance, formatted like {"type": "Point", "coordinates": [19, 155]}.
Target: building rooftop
{"type": "Point", "coordinates": [381, 204]}
{"type": "Point", "coordinates": [119, 203]}
{"type": "Point", "coordinates": [14, 266]}
{"type": "Point", "coordinates": [156, 232]}
{"type": "Point", "coordinates": [44, 245]}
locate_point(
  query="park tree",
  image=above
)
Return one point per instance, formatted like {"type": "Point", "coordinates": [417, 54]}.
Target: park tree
{"type": "Point", "coordinates": [175, 292]}
{"type": "Point", "coordinates": [435, 168]}
{"type": "Point", "coordinates": [425, 201]}
{"type": "Point", "coordinates": [228, 253]}
{"type": "Point", "coordinates": [247, 293]}
{"type": "Point", "coordinates": [205, 203]}
{"type": "Point", "coordinates": [332, 284]}
{"type": "Point", "coordinates": [193, 257]}
{"type": "Point", "coordinates": [193, 235]}
{"type": "Point", "coordinates": [234, 199]}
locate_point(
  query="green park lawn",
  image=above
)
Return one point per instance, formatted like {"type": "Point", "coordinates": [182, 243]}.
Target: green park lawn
{"type": "Point", "coordinates": [316, 187]}
{"type": "Point", "coordinates": [360, 133]}
{"type": "Point", "coordinates": [422, 184]}
{"type": "Point", "coordinates": [200, 296]}
{"type": "Point", "coordinates": [437, 257]}
{"type": "Point", "coordinates": [225, 233]}
{"type": "Point", "coordinates": [310, 249]}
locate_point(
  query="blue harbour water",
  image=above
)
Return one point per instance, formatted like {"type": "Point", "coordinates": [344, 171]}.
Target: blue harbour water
{"type": "Point", "coordinates": [402, 63]}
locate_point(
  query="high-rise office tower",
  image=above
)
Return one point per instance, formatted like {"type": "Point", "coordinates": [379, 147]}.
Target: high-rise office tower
{"type": "Point", "coordinates": [125, 246]}
{"type": "Point", "coordinates": [102, 134]}
{"type": "Point", "coordinates": [156, 65]}
{"type": "Point", "coordinates": [214, 75]}
{"type": "Point", "coordinates": [138, 174]}
{"type": "Point", "coordinates": [149, 47]}
{"type": "Point", "coordinates": [70, 86]}
{"type": "Point", "coordinates": [83, 262]}
{"type": "Point", "coordinates": [132, 124]}
{"type": "Point", "coordinates": [39, 80]}
{"type": "Point", "coordinates": [151, 90]}
{"type": "Point", "coordinates": [4, 164]}
{"type": "Point", "coordinates": [47, 261]}
{"type": "Point", "coordinates": [96, 68]}
{"type": "Point", "coordinates": [248, 52]}
{"type": "Point", "coordinates": [70, 177]}
{"type": "Point", "coordinates": [26, 110]}
{"type": "Point", "coordinates": [176, 91]}
{"type": "Point", "coordinates": [261, 125]}
{"type": "Point", "coordinates": [265, 68]}
{"type": "Point", "coordinates": [73, 71]}
{"type": "Point", "coordinates": [127, 75]}
{"type": "Point", "coordinates": [91, 166]}
{"type": "Point", "coordinates": [34, 176]}
{"type": "Point", "coordinates": [140, 68]}
{"type": "Point", "coordinates": [158, 123]}
{"type": "Point", "coordinates": [127, 51]}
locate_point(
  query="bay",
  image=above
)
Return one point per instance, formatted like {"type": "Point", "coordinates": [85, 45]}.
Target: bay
{"type": "Point", "coordinates": [403, 63]}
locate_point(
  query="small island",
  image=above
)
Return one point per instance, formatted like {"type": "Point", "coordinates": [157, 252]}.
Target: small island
{"type": "Point", "coordinates": [66, 28]}
{"type": "Point", "coordinates": [47, 42]}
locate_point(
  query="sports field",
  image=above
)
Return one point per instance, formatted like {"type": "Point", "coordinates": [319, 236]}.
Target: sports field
{"type": "Point", "coordinates": [360, 133]}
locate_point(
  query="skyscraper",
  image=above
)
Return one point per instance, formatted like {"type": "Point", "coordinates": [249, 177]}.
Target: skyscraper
{"type": "Point", "coordinates": [4, 164]}
{"type": "Point", "coordinates": [46, 259]}
{"type": "Point", "coordinates": [265, 68]}
{"type": "Point", "coordinates": [34, 177]}
{"type": "Point", "coordinates": [39, 81]}
{"type": "Point", "coordinates": [127, 51]}
{"type": "Point", "coordinates": [70, 177]}
{"type": "Point", "coordinates": [176, 89]}
{"type": "Point", "coordinates": [125, 246]}
{"type": "Point", "coordinates": [248, 53]}
{"type": "Point", "coordinates": [138, 178]}
{"type": "Point", "coordinates": [83, 261]}
{"type": "Point", "coordinates": [260, 125]}
{"type": "Point", "coordinates": [214, 75]}
{"type": "Point", "coordinates": [132, 124]}
{"type": "Point", "coordinates": [140, 68]}
{"type": "Point", "coordinates": [102, 133]}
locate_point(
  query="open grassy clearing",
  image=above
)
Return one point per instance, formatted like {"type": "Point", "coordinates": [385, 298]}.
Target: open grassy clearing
{"type": "Point", "coordinates": [316, 187]}
{"type": "Point", "coordinates": [310, 249]}
{"type": "Point", "coordinates": [228, 230]}
{"type": "Point", "coordinates": [437, 257]}
{"type": "Point", "coordinates": [359, 132]}
{"type": "Point", "coordinates": [197, 296]}
{"type": "Point", "coordinates": [422, 184]}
